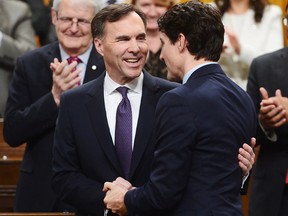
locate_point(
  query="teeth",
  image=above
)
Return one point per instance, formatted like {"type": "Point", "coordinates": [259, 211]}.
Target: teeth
{"type": "Point", "coordinates": [132, 60]}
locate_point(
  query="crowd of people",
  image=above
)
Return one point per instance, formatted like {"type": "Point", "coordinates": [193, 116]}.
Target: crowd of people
{"type": "Point", "coordinates": [186, 146]}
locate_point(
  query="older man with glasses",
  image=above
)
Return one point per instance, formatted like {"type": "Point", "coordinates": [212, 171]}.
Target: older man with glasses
{"type": "Point", "coordinates": [34, 99]}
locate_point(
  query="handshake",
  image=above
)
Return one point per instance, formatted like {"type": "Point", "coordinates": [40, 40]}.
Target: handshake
{"type": "Point", "coordinates": [115, 193]}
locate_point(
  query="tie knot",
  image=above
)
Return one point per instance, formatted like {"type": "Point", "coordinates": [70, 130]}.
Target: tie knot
{"type": "Point", "coordinates": [73, 58]}
{"type": "Point", "coordinates": [123, 91]}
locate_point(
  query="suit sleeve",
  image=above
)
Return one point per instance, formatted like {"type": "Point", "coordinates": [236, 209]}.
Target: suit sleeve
{"type": "Point", "coordinates": [257, 70]}
{"type": "Point", "coordinates": [68, 181]}
{"type": "Point", "coordinates": [27, 117]}
{"type": "Point", "coordinates": [170, 171]}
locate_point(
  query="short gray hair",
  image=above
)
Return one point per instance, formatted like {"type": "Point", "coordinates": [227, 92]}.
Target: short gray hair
{"type": "Point", "coordinates": [92, 3]}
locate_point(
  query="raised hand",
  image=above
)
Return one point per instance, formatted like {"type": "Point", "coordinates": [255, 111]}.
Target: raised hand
{"type": "Point", "coordinates": [63, 78]}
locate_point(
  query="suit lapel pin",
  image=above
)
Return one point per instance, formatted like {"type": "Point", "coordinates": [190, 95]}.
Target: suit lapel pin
{"type": "Point", "coordinates": [94, 67]}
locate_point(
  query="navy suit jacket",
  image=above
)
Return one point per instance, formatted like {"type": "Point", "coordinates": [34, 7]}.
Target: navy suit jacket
{"type": "Point", "coordinates": [84, 154]}
{"type": "Point", "coordinates": [269, 71]}
{"type": "Point", "coordinates": [30, 118]}
{"type": "Point", "coordinates": [200, 126]}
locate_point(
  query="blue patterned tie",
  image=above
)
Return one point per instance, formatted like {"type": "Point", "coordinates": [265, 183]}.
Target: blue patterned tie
{"type": "Point", "coordinates": [123, 131]}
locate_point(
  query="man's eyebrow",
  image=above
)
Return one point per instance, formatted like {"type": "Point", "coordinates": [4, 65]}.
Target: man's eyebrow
{"type": "Point", "coordinates": [142, 35]}
{"type": "Point", "coordinates": [122, 37]}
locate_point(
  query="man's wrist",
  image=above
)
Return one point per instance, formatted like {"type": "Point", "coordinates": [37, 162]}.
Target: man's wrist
{"type": "Point", "coordinates": [270, 134]}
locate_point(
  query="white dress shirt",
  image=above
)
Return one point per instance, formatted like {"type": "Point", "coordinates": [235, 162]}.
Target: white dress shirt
{"type": "Point", "coordinates": [82, 65]}
{"type": "Point", "coordinates": [112, 98]}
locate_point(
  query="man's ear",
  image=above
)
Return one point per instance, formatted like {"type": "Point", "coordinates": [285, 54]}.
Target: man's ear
{"type": "Point", "coordinates": [182, 42]}
{"type": "Point", "coordinates": [98, 46]}
{"type": "Point", "coordinates": [53, 16]}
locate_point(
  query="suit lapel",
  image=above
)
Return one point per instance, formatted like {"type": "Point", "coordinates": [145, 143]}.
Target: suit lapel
{"type": "Point", "coordinates": [145, 121]}
{"type": "Point", "coordinates": [95, 66]}
{"type": "Point", "coordinates": [52, 51]}
{"type": "Point", "coordinates": [98, 118]}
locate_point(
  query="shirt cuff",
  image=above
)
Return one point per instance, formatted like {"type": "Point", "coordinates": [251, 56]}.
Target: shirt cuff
{"type": "Point", "coordinates": [244, 180]}
{"type": "Point", "coordinates": [271, 135]}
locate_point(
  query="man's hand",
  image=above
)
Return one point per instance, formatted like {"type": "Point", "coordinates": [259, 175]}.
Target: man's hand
{"type": "Point", "coordinates": [115, 193]}
{"type": "Point", "coordinates": [246, 156]}
{"type": "Point", "coordinates": [272, 113]}
{"type": "Point", "coordinates": [63, 79]}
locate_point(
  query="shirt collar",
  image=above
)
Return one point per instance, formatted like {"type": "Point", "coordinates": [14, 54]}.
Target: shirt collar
{"type": "Point", "coordinates": [192, 70]}
{"type": "Point", "coordinates": [84, 56]}
{"type": "Point", "coordinates": [135, 85]}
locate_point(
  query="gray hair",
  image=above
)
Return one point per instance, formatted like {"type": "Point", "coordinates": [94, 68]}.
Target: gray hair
{"type": "Point", "coordinates": [93, 3]}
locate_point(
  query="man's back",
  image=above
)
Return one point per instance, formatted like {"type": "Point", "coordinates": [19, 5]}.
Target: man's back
{"type": "Point", "coordinates": [200, 127]}
{"type": "Point", "coordinates": [220, 117]}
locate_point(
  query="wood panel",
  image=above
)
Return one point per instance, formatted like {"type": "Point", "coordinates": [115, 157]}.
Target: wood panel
{"type": "Point", "coordinates": [10, 161]}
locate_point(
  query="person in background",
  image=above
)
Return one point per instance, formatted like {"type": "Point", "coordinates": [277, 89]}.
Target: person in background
{"type": "Point", "coordinates": [267, 85]}
{"type": "Point", "coordinates": [252, 28]}
{"type": "Point", "coordinates": [153, 9]}
{"type": "Point", "coordinates": [87, 148]}
{"type": "Point", "coordinates": [34, 99]}
{"type": "Point", "coordinates": [41, 21]}
{"type": "Point", "coordinates": [199, 126]}
{"type": "Point", "coordinates": [16, 37]}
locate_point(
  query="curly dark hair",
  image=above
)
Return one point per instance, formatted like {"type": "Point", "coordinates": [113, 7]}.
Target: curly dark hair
{"type": "Point", "coordinates": [200, 23]}
{"type": "Point", "coordinates": [257, 5]}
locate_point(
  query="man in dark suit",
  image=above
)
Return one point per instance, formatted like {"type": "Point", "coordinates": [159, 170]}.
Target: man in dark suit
{"type": "Point", "coordinates": [85, 146]}
{"type": "Point", "coordinates": [32, 106]}
{"type": "Point", "coordinates": [84, 154]}
{"type": "Point", "coordinates": [267, 85]}
{"type": "Point", "coordinates": [199, 126]}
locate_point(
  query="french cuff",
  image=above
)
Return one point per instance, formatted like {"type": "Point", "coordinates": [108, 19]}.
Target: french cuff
{"type": "Point", "coordinates": [244, 178]}
{"type": "Point", "coordinates": [271, 135]}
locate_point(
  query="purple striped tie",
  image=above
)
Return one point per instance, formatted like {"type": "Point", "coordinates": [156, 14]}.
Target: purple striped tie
{"type": "Point", "coordinates": [123, 131]}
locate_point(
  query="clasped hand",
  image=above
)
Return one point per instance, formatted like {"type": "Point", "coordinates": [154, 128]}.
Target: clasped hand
{"type": "Point", "coordinates": [273, 110]}
{"type": "Point", "coordinates": [115, 193]}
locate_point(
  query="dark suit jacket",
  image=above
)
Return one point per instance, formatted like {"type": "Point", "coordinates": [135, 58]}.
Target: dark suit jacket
{"type": "Point", "coordinates": [84, 154]}
{"type": "Point", "coordinates": [200, 126]}
{"type": "Point", "coordinates": [268, 176]}
{"type": "Point", "coordinates": [30, 118]}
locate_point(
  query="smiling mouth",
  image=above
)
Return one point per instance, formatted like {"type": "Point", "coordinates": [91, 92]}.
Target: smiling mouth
{"type": "Point", "coordinates": [132, 60]}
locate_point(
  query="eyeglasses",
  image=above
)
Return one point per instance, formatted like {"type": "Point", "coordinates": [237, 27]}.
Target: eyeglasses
{"type": "Point", "coordinates": [285, 21]}
{"type": "Point", "coordinates": [70, 21]}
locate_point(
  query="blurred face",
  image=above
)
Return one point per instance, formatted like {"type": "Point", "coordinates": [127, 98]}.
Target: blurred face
{"type": "Point", "coordinates": [124, 48]}
{"type": "Point", "coordinates": [152, 12]}
{"type": "Point", "coordinates": [72, 24]}
{"type": "Point", "coordinates": [170, 55]}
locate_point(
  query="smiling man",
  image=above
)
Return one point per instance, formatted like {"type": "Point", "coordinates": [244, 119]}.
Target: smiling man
{"type": "Point", "coordinates": [199, 126]}
{"type": "Point", "coordinates": [88, 149]}
{"type": "Point", "coordinates": [34, 97]}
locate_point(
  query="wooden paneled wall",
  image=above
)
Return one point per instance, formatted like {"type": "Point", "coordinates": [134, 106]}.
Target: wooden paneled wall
{"type": "Point", "coordinates": [10, 161]}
